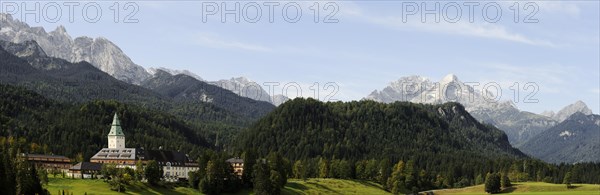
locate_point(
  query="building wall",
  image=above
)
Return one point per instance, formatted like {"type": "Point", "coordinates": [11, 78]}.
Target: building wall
{"type": "Point", "coordinates": [173, 173]}
{"type": "Point", "coordinates": [117, 162]}
{"type": "Point", "coordinates": [116, 141]}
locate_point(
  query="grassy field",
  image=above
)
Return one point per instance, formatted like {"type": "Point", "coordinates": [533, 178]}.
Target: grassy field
{"type": "Point", "coordinates": [97, 186]}
{"type": "Point", "coordinates": [294, 187]}
{"type": "Point", "coordinates": [530, 188]}
{"type": "Point", "coordinates": [316, 186]}
{"type": "Point", "coordinates": [331, 186]}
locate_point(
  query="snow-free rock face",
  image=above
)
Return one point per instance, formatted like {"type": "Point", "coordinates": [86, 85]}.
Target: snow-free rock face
{"type": "Point", "coordinates": [247, 88]}
{"type": "Point", "coordinates": [279, 99]}
{"type": "Point", "coordinates": [571, 109]}
{"type": "Point", "coordinates": [153, 71]}
{"type": "Point", "coordinates": [518, 125]}
{"type": "Point", "coordinates": [99, 52]}
{"type": "Point", "coordinates": [575, 139]}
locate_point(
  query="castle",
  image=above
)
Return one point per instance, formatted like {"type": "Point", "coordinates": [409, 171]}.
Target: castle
{"type": "Point", "coordinates": [176, 165]}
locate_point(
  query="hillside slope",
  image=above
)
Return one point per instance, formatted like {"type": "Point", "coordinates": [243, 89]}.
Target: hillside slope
{"type": "Point", "coordinates": [576, 139]}
{"type": "Point", "coordinates": [71, 129]}
{"type": "Point", "coordinates": [361, 130]}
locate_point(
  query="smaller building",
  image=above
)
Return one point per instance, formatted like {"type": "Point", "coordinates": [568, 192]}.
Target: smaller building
{"type": "Point", "coordinates": [176, 165]}
{"type": "Point", "coordinates": [237, 164]}
{"type": "Point", "coordinates": [50, 162]}
{"type": "Point", "coordinates": [86, 169]}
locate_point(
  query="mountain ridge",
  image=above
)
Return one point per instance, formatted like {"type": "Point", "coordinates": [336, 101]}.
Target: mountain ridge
{"type": "Point", "coordinates": [574, 140]}
{"type": "Point", "coordinates": [100, 52]}
{"type": "Point", "coordinates": [518, 125]}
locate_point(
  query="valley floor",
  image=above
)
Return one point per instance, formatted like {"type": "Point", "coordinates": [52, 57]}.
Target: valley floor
{"type": "Point", "coordinates": [533, 188]}
{"type": "Point", "coordinates": [293, 187]}
{"type": "Point", "coordinates": [316, 186]}
{"type": "Point", "coordinates": [332, 186]}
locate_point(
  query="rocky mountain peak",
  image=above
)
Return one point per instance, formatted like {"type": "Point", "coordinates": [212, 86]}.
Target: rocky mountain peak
{"type": "Point", "coordinates": [449, 79]}
{"type": "Point", "coordinates": [153, 71]}
{"type": "Point", "coordinates": [567, 111]}
{"type": "Point", "coordinates": [99, 52]}
{"type": "Point", "coordinates": [60, 30]}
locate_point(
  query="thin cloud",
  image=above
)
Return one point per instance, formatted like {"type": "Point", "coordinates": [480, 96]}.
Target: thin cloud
{"type": "Point", "coordinates": [464, 28]}
{"type": "Point", "coordinates": [215, 41]}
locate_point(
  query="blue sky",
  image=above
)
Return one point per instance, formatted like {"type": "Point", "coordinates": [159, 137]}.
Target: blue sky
{"type": "Point", "coordinates": [369, 47]}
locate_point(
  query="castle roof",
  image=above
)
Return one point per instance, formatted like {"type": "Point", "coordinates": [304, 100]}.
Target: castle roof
{"type": "Point", "coordinates": [116, 129]}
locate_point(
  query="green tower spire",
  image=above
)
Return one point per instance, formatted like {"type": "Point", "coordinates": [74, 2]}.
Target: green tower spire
{"type": "Point", "coordinates": [116, 127]}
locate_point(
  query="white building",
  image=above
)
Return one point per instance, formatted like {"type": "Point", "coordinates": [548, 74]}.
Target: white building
{"type": "Point", "coordinates": [176, 165]}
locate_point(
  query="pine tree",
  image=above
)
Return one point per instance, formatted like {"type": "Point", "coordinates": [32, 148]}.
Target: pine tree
{"type": "Point", "coordinates": [249, 157]}
{"type": "Point", "coordinates": [492, 183]}
{"type": "Point", "coordinates": [261, 179]}
{"type": "Point", "coordinates": [323, 168]}
{"type": "Point", "coordinates": [299, 170]}
{"type": "Point", "coordinates": [384, 171]}
{"type": "Point", "coordinates": [567, 179]}
{"type": "Point", "coordinates": [411, 175]}
{"type": "Point", "coordinates": [139, 171]}
{"type": "Point", "coordinates": [505, 182]}
{"type": "Point", "coordinates": [395, 183]}
{"type": "Point", "coordinates": [153, 172]}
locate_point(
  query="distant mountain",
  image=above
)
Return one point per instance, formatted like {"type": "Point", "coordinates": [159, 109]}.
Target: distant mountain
{"type": "Point", "coordinates": [279, 99]}
{"type": "Point", "coordinates": [307, 128]}
{"type": "Point", "coordinates": [26, 64]}
{"type": "Point", "coordinates": [99, 52]}
{"type": "Point", "coordinates": [184, 88]}
{"type": "Point", "coordinates": [250, 89]}
{"type": "Point", "coordinates": [108, 57]}
{"type": "Point", "coordinates": [569, 110]}
{"type": "Point", "coordinates": [576, 139]}
{"type": "Point", "coordinates": [518, 125]}
{"type": "Point", "coordinates": [153, 71]}
{"type": "Point", "coordinates": [81, 82]}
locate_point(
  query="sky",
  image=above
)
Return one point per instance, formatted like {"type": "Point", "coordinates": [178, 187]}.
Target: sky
{"type": "Point", "coordinates": [548, 50]}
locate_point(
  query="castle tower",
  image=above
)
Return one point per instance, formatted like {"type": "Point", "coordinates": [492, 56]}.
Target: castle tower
{"type": "Point", "coordinates": [116, 138]}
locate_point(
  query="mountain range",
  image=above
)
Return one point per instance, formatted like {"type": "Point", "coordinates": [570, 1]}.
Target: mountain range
{"type": "Point", "coordinates": [100, 52]}
{"type": "Point", "coordinates": [520, 126]}
{"type": "Point", "coordinates": [56, 66]}
{"type": "Point", "coordinates": [574, 140]}
{"type": "Point", "coordinates": [108, 57]}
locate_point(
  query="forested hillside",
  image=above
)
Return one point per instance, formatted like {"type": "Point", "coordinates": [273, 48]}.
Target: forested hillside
{"type": "Point", "coordinates": [72, 129]}
{"type": "Point", "coordinates": [367, 129]}
{"type": "Point", "coordinates": [405, 147]}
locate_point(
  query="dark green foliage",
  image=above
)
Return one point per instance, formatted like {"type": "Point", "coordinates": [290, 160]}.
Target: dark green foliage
{"type": "Point", "coordinates": [17, 175]}
{"type": "Point", "coordinates": [492, 183]}
{"type": "Point", "coordinates": [250, 158]}
{"type": "Point", "coordinates": [194, 179]}
{"type": "Point", "coordinates": [72, 129]}
{"type": "Point", "coordinates": [139, 171]}
{"type": "Point", "coordinates": [280, 165]}
{"type": "Point", "coordinates": [505, 182]}
{"type": "Point", "coordinates": [267, 181]}
{"type": "Point", "coordinates": [307, 128]}
{"type": "Point", "coordinates": [442, 145]}
{"type": "Point", "coordinates": [567, 180]}
{"type": "Point", "coordinates": [219, 177]}
{"type": "Point", "coordinates": [261, 176]}
{"type": "Point", "coordinates": [79, 83]}
{"type": "Point", "coordinates": [153, 172]}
